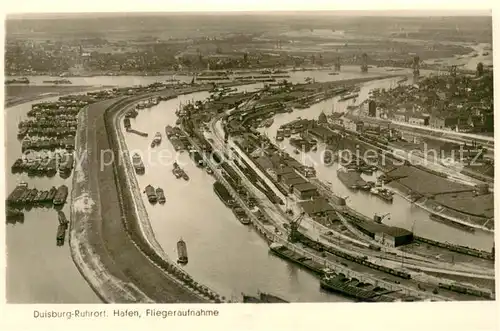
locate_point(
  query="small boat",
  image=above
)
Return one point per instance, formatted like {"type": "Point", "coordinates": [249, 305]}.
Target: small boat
{"type": "Point", "coordinates": [177, 172]}
{"type": "Point", "coordinates": [296, 151]}
{"type": "Point", "coordinates": [209, 171]}
{"type": "Point", "coordinates": [185, 175]}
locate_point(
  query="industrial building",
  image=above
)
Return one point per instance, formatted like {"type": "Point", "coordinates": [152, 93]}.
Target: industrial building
{"type": "Point", "coordinates": [305, 190]}
{"type": "Point", "coordinates": [387, 235]}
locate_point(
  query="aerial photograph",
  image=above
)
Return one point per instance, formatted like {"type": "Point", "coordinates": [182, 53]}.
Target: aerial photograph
{"type": "Point", "coordinates": [249, 157]}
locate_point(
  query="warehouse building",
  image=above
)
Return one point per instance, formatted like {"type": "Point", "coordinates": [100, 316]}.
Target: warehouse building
{"type": "Point", "coordinates": [387, 235]}
{"type": "Point", "coordinates": [305, 191]}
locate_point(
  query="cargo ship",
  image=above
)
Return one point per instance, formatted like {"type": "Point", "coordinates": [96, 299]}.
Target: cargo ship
{"type": "Point", "coordinates": [223, 194]}
{"type": "Point", "coordinates": [182, 252]}
{"type": "Point", "coordinates": [137, 163]}
{"type": "Point", "coordinates": [151, 194]}
{"type": "Point", "coordinates": [160, 195]}
{"type": "Point", "coordinates": [156, 140]}
{"type": "Point", "coordinates": [382, 193]}
{"type": "Point", "coordinates": [450, 222]}
{"type": "Point", "coordinates": [61, 195]}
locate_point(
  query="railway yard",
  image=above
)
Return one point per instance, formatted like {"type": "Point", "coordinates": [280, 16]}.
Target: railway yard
{"type": "Point", "coordinates": [267, 188]}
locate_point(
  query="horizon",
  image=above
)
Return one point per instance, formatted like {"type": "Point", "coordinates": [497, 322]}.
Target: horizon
{"type": "Point", "coordinates": [407, 13]}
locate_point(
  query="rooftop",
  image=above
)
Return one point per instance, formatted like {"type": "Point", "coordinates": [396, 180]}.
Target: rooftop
{"type": "Point", "coordinates": [305, 187]}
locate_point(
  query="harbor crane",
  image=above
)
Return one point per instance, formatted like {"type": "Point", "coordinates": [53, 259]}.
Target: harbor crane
{"type": "Point", "coordinates": [294, 227]}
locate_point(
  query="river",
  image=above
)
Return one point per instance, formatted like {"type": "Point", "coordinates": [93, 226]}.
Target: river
{"type": "Point", "coordinates": [37, 270]}
{"type": "Point", "coordinates": [224, 254]}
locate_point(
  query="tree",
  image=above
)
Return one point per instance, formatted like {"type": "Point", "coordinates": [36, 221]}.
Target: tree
{"type": "Point", "coordinates": [480, 69]}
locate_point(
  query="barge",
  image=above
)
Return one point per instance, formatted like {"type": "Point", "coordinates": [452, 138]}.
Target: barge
{"type": "Point", "coordinates": [161, 195]}
{"type": "Point", "coordinates": [450, 222]}
{"type": "Point", "coordinates": [356, 289]}
{"type": "Point", "coordinates": [263, 298]}
{"type": "Point", "coordinates": [61, 235]}
{"type": "Point", "coordinates": [241, 215]}
{"type": "Point", "coordinates": [223, 194]}
{"type": "Point", "coordinates": [138, 165]}
{"type": "Point", "coordinates": [351, 179]}
{"type": "Point", "coordinates": [288, 254]}
{"type": "Point", "coordinates": [62, 218]}
{"type": "Point", "coordinates": [151, 194]}
{"type": "Point", "coordinates": [182, 252]}
{"type": "Point", "coordinates": [16, 194]}
{"type": "Point", "coordinates": [14, 215]}
{"type": "Point", "coordinates": [61, 195]}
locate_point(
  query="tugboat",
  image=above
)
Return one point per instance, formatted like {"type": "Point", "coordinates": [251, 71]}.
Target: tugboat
{"type": "Point", "coordinates": [182, 252]}
{"type": "Point", "coordinates": [156, 140]}
{"type": "Point", "coordinates": [185, 175]}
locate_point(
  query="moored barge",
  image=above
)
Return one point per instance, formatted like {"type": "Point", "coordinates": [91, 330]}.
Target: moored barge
{"type": "Point", "coordinates": [182, 252]}
{"type": "Point", "coordinates": [151, 194]}
{"type": "Point", "coordinates": [61, 195]}
{"type": "Point", "coordinates": [160, 195]}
